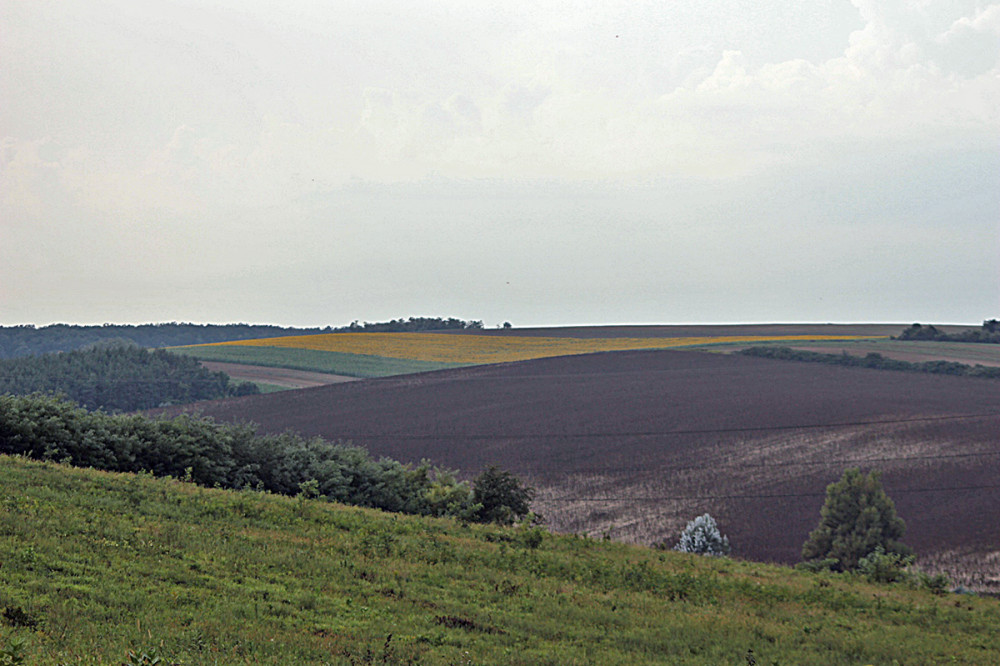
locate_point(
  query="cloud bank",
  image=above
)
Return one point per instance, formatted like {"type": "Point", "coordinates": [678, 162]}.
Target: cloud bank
{"type": "Point", "coordinates": [627, 161]}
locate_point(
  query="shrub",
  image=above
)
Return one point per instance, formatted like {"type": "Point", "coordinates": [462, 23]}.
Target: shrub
{"type": "Point", "coordinates": [237, 457]}
{"type": "Point", "coordinates": [504, 499]}
{"type": "Point", "coordinates": [702, 536]}
{"type": "Point", "coordinates": [879, 566]}
{"type": "Point", "coordinates": [937, 583]}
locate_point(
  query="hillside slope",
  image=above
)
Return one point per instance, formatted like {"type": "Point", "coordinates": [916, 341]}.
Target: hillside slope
{"type": "Point", "coordinates": [98, 564]}
{"type": "Point", "coordinates": [633, 444]}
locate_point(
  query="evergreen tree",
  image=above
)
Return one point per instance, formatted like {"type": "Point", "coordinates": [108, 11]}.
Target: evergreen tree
{"type": "Point", "coordinates": [857, 518]}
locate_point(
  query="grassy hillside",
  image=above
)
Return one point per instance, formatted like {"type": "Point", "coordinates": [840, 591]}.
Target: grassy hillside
{"type": "Point", "coordinates": [97, 564]}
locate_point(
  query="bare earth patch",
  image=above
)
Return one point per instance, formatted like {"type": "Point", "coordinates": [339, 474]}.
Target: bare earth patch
{"type": "Point", "coordinates": [277, 376]}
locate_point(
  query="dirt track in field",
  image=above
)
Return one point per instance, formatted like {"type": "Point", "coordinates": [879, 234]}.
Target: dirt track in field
{"type": "Point", "coordinates": [635, 443]}
{"type": "Point", "coordinates": [277, 376]}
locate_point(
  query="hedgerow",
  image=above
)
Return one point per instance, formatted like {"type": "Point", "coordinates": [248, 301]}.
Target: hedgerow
{"type": "Point", "coordinates": [226, 456]}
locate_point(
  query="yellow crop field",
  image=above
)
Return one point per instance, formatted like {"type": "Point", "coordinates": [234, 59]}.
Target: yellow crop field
{"type": "Point", "coordinates": [476, 349]}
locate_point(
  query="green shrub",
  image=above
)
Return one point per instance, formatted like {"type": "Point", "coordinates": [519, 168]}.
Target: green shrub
{"type": "Point", "coordinates": [211, 454]}
{"type": "Point", "coordinates": [502, 497]}
{"type": "Point", "coordinates": [882, 567]}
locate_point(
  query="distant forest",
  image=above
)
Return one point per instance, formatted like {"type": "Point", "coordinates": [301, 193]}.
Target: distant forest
{"type": "Point", "coordinates": [18, 341]}
{"type": "Point", "coordinates": [988, 333]}
{"type": "Point", "coordinates": [118, 377]}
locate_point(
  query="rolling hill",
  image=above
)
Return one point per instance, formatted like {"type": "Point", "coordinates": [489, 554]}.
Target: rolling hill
{"type": "Point", "coordinates": [98, 565]}
{"type": "Point", "coordinates": [384, 354]}
{"type": "Point", "coordinates": [632, 444]}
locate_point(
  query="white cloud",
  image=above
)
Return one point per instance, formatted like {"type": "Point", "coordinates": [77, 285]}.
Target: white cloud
{"type": "Point", "coordinates": [196, 128]}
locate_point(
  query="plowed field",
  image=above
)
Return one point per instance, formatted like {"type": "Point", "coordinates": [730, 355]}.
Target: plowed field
{"type": "Point", "coordinates": [634, 443]}
{"type": "Point", "coordinates": [276, 376]}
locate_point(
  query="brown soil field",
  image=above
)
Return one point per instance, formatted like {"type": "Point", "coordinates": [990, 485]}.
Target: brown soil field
{"type": "Point", "coordinates": [278, 376]}
{"type": "Point", "coordinates": [633, 444]}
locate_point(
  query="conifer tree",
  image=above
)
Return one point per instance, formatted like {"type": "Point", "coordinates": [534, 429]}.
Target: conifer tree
{"type": "Point", "coordinates": [857, 518]}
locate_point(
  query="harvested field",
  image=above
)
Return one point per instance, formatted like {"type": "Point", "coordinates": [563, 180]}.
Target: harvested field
{"type": "Point", "coordinates": [633, 444]}
{"type": "Point", "coordinates": [285, 377]}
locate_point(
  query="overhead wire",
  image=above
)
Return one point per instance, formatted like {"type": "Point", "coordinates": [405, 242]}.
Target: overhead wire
{"type": "Point", "coordinates": [679, 498]}
{"type": "Point", "coordinates": [656, 433]}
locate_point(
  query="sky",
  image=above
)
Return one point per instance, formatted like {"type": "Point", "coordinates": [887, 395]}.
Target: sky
{"type": "Point", "coordinates": [316, 162]}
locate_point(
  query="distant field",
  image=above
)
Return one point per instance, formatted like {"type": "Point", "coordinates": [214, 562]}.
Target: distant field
{"type": "Point", "coordinates": [278, 378]}
{"type": "Point", "coordinates": [385, 354]}
{"type": "Point", "coordinates": [352, 365]}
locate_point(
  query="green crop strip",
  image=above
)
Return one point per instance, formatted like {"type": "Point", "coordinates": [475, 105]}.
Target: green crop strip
{"type": "Point", "coordinates": [338, 363]}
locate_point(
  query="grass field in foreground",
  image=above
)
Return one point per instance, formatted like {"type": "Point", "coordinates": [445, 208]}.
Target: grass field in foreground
{"type": "Point", "coordinates": [383, 354]}
{"type": "Point", "coordinates": [97, 564]}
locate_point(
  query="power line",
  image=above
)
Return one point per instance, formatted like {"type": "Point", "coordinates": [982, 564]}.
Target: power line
{"type": "Point", "coordinates": [652, 469]}
{"type": "Point", "coordinates": [678, 498]}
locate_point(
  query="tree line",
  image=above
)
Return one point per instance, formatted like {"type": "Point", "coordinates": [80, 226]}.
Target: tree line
{"type": "Point", "coordinates": [117, 377]}
{"type": "Point", "coordinates": [875, 361]}
{"type": "Point", "coordinates": [17, 341]}
{"type": "Point", "coordinates": [412, 325]}
{"type": "Point", "coordinates": [238, 457]}
{"type": "Point", "coordinates": [27, 340]}
{"type": "Point", "coordinates": [988, 333]}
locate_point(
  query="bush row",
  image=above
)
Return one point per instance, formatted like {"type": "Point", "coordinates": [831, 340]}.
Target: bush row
{"type": "Point", "coordinates": [237, 456]}
{"type": "Point", "coordinates": [873, 360]}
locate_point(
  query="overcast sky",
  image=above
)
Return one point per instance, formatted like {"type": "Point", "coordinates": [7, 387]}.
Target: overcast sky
{"type": "Point", "coordinates": [313, 162]}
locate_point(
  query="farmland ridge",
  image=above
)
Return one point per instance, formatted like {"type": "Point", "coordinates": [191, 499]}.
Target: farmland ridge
{"type": "Point", "coordinates": [632, 444]}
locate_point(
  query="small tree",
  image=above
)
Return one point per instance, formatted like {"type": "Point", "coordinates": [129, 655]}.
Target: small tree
{"type": "Point", "coordinates": [504, 498]}
{"type": "Point", "coordinates": [702, 536]}
{"type": "Point", "coordinates": [856, 519]}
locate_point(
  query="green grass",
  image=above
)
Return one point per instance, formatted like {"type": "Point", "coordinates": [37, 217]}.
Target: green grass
{"type": "Point", "coordinates": [96, 564]}
{"type": "Point", "coordinates": [338, 363]}
{"type": "Point", "coordinates": [269, 388]}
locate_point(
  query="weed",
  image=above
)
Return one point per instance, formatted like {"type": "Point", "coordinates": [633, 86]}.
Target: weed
{"type": "Point", "coordinates": [370, 656]}
{"type": "Point", "coordinates": [455, 622]}
{"type": "Point", "coordinates": [143, 658]}
{"type": "Point", "coordinates": [15, 616]}
{"type": "Point", "coordinates": [12, 654]}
